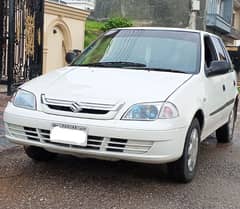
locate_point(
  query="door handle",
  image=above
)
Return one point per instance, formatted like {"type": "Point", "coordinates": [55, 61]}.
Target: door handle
{"type": "Point", "coordinates": [234, 83]}
{"type": "Point", "coordinates": [224, 87]}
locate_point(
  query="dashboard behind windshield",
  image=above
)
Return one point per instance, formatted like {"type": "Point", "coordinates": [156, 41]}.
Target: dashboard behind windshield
{"type": "Point", "coordinates": [145, 49]}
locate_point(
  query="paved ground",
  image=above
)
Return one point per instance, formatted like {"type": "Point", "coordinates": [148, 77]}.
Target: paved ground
{"type": "Point", "coordinates": [4, 144]}
{"type": "Point", "coordinates": [90, 184]}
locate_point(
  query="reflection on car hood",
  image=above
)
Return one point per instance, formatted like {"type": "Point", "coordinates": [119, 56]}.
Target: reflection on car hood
{"type": "Point", "coordinates": [107, 85]}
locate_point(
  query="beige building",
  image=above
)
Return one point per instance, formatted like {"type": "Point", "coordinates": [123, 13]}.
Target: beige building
{"type": "Point", "coordinates": [82, 4]}
{"type": "Point", "coordinates": [64, 29]}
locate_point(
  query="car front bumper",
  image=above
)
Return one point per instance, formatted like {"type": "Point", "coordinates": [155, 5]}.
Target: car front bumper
{"type": "Point", "coordinates": [147, 142]}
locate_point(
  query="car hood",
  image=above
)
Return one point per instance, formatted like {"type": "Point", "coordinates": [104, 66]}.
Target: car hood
{"type": "Point", "coordinates": [107, 85]}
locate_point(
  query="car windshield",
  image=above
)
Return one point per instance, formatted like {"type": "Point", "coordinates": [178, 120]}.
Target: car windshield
{"type": "Point", "coordinates": [158, 50]}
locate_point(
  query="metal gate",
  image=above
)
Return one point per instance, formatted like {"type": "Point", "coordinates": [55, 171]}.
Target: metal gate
{"type": "Point", "coordinates": [21, 41]}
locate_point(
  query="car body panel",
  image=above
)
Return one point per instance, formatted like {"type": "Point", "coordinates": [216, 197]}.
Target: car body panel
{"type": "Point", "coordinates": [165, 138]}
{"type": "Point", "coordinates": [90, 84]}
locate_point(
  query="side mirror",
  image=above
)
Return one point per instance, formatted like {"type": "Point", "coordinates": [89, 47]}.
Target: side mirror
{"type": "Point", "coordinates": [72, 55]}
{"type": "Point", "coordinates": [218, 68]}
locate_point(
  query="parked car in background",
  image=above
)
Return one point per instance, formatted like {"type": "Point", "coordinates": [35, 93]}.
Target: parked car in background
{"type": "Point", "coordinates": [147, 95]}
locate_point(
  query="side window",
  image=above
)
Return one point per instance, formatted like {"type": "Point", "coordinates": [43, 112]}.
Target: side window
{"type": "Point", "coordinates": [210, 53]}
{"type": "Point", "coordinates": [220, 51]}
{"type": "Point", "coordinates": [226, 52]}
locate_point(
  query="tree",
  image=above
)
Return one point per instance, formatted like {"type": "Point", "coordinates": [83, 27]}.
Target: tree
{"type": "Point", "coordinates": [116, 22]}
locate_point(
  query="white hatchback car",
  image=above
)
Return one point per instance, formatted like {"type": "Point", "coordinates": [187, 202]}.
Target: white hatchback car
{"type": "Point", "coordinates": [147, 95]}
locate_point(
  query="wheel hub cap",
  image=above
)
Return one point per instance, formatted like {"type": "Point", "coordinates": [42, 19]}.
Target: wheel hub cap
{"type": "Point", "coordinates": [193, 150]}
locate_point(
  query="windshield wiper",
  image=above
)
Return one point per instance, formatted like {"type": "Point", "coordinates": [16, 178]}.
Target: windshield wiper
{"type": "Point", "coordinates": [160, 69]}
{"type": "Point", "coordinates": [129, 65]}
{"type": "Point", "coordinates": [114, 64]}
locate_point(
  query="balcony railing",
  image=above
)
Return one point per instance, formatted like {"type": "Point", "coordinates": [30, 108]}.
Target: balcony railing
{"type": "Point", "coordinates": [217, 22]}
{"type": "Point", "coordinates": [219, 19]}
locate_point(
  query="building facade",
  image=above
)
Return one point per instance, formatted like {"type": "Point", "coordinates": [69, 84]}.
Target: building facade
{"type": "Point", "coordinates": [64, 29]}
{"type": "Point", "coordinates": [35, 36]}
{"type": "Point", "coordinates": [82, 4]}
{"type": "Point", "coordinates": [88, 5]}
{"type": "Point", "coordinates": [221, 17]}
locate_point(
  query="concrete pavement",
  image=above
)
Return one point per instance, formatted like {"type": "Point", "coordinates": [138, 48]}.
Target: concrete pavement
{"type": "Point", "coordinates": [73, 183]}
{"type": "Point", "coordinates": [4, 144]}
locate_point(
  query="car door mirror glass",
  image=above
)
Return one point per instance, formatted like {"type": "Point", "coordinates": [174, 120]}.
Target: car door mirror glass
{"type": "Point", "coordinates": [218, 68]}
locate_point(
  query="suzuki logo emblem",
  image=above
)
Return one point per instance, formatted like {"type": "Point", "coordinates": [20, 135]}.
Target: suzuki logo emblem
{"type": "Point", "coordinates": [76, 108]}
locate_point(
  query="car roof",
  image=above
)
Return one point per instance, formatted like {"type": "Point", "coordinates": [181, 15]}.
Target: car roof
{"type": "Point", "coordinates": [169, 29]}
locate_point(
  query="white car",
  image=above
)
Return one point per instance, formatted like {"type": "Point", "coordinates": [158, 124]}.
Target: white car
{"type": "Point", "coordinates": [147, 95]}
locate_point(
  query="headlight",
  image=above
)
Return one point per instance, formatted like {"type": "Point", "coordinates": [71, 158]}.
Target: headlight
{"type": "Point", "coordinates": [151, 111]}
{"type": "Point", "coordinates": [25, 99]}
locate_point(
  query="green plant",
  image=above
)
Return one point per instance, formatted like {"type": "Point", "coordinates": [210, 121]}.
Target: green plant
{"type": "Point", "coordinates": [92, 31]}
{"type": "Point", "coordinates": [116, 22]}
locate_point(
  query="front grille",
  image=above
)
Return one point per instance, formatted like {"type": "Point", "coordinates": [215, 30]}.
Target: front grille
{"type": "Point", "coordinates": [60, 108]}
{"type": "Point", "coordinates": [87, 109]}
{"type": "Point", "coordinates": [96, 143]}
{"type": "Point", "coordinates": [31, 133]}
{"type": "Point", "coordinates": [116, 145]}
{"type": "Point", "coordinates": [84, 110]}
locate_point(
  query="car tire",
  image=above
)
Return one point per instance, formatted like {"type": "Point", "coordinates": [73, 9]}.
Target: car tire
{"type": "Point", "coordinates": [184, 169]}
{"type": "Point", "coordinates": [225, 133]}
{"type": "Point", "coordinates": [39, 154]}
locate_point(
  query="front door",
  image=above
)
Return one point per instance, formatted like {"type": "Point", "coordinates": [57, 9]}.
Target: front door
{"type": "Point", "coordinates": [215, 91]}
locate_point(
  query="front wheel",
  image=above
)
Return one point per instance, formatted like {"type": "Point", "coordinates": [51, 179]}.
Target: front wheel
{"type": "Point", "coordinates": [184, 169]}
{"type": "Point", "coordinates": [39, 154]}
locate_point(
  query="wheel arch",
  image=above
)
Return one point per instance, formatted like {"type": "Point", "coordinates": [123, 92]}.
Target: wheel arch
{"type": "Point", "coordinates": [236, 106]}
{"type": "Point", "coordinates": [199, 115]}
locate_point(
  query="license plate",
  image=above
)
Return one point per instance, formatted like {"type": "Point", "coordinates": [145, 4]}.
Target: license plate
{"type": "Point", "coordinates": [66, 134]}
{"type": "Point", "coordinates": [69, 126]}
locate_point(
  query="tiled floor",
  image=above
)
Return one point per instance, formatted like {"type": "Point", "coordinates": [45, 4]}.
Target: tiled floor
{"type": "Point", "coordinates": [3, 102]}
{"type": "Point", "coordinates": [1, 125]}
{"type": "Point", "coordinates": [3, 142]}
